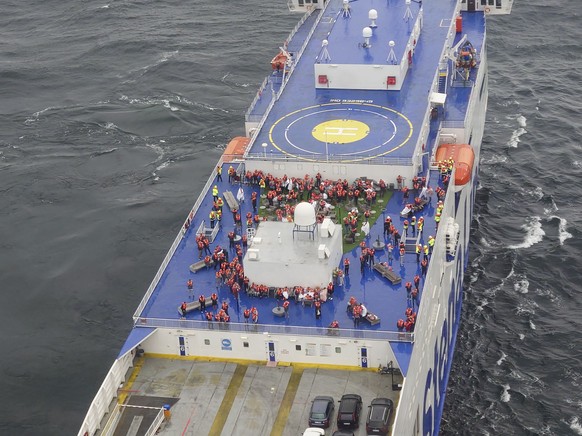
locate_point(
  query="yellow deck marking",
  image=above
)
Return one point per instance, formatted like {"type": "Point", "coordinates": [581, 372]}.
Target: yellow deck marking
{"type": "Point", "coordinates": [287, 402]}
{"type": "Point", "coordinates": [340, 131]}
{"type": "Point", "coordinates": [228, 400]}
{"type": "Point", "coordinates": [127, 386]}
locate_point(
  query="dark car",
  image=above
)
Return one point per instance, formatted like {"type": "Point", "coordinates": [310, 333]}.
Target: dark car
{"type": "Point", "coordinates": [343, 433]}
{"type": "Point", "coordinates": [321, 411]}
{"type": "Point", "coordinates": [348, 414]}
{"type": "Point", "coordinates": [379, 414]}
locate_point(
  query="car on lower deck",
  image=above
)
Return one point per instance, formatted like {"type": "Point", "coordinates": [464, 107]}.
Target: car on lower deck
{"type": "Point", "coordinates": [321, 411]}
{"type": "Point", "coordinates": [348, 414]}
{"type": "Point", "coordinates": [379, 414]}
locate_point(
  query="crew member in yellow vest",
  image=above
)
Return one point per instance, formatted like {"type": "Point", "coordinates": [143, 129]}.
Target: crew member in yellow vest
{"type": "Point", "coordinates": [430, 244]}
{"type": "Point", "coordinates": [212, 217]}
{"type": "Point", "coordinates": [215, 192]}
{"type": "Point", "coordinates": [405, 228]}
{"type": "Point", "coordinates": [218, 173]}
{"type": "Point", "coordinates": [420, 225]}
{"type": "Point", "coordinates": [418, 250]}
{"type": "Point", "coordinates": [425, 252]}
{"type": "Point", "coordinates": [413, 225]}
{"type": "Point", "coordinates": [437, 219]}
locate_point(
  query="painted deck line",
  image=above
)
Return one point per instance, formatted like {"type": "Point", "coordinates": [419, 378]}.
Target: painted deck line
{"type": "Point", "coordinates": [228, 400]}
{"type": "Point", "coordinates": [138, 365]}
{"type": "Point", "coordinates": [287, 403]}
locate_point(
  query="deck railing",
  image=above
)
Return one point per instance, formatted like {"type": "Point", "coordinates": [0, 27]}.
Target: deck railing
{"type": "Point", "coordinates": [175, 244]}
{"type": "Point", "coordinates": [248, 115]}
{"type": "Point", "coordinates": [332, 158]}
{"type": "Point", "coordinates": [108, 391]}
{"type": "Point", "coordinates": [393, 336]}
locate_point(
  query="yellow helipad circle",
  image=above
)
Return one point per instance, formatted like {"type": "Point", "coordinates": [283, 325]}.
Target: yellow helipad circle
{"type": "Point", "coordinates": [340, 131]}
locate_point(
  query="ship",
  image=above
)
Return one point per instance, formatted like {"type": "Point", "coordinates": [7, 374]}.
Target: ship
{"type": "Point", "coordinates": [325, 255]}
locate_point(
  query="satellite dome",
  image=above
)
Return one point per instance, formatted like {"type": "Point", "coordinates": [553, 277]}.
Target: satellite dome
{"type": "Point", "coordinates": [304, 214]}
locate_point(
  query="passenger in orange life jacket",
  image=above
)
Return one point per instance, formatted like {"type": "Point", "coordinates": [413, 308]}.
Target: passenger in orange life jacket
{"type": "Point", "coordinates": [209, 316]}
{"type": "Point", "coordinates": [225, 307]}
{"type": "Point", "coordinates": [346, 266]}
{"type": "Point", "coordinates": [286, 308]}
{"type": "Point", "coordinates": [202, 301]}
{"type": "Point", "coordinates": [317, 305]}
{"type": "Point", "coordinates": [183, 309]}
{"type": "Point", "coordinates": [247, 315]}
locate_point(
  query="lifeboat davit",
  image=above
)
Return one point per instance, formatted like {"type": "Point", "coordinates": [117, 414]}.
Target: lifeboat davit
{"type": "Point", "coordinates": [463, 158]}
{"type": "Point", "coordinates": [279, 61]}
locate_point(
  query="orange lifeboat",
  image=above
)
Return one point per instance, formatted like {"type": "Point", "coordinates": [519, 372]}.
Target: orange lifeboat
{"type": "Point", "coordinates": [463, 158]}
{"type": "Point", "coordinates": [236, 148]}
{"type": "Point", "coordinates": [279, 61]}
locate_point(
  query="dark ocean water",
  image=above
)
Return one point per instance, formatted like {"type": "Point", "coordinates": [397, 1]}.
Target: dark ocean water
{"type": "Point", "coordinates": [112, 115]}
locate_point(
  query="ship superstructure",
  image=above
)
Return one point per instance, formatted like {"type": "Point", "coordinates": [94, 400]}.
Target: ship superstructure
{"type": "Point", "coordinates": [372, 114]}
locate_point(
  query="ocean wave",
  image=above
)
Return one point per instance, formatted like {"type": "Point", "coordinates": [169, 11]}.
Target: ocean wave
{"type": "Point", "coordinates": [534, 233]}
{"type": "Point", "coordinates": [505, 396]}
{"type": "Point", "coordinates": [521, 286]}
{"type": "Point", "coordinates": [502, 358]}
{"type": "Point", "coordinates": [517, 133]}
{"type": "Point", "coordinates": [161, 59]}
{"type": "Point", "coordinates": [101, 153]}
{"type": "Point", "coordinates": [35, 116]}
{"type": "Point", "coordinates": [563, 234]}
{"type": "Point", "coordinates": [575, 425]}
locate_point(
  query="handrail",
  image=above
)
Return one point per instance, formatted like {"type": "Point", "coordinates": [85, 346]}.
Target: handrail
{"type": "Point", "coordinates": [302, 49]}
{"type": "Point", "coordinates": [175, 244]}
{"type": "Point", "coordinates": [335, 158]}
{"type": "Point", "coordinates": [155, 424]}
{"type": "Point", "coordinates": [394, 336]}
{"type": "Point", "coordinates": [256, 99]}
{"type": "Point", "coordinates": [107, 391]}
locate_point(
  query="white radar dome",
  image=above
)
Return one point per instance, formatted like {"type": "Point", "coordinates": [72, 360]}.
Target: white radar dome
{"type": "Point", "coordinates": [367, 32]}
{"type": "Point", "coordinates": [373, 14]}
{"type": "Point", "coordinates": [304, 214]}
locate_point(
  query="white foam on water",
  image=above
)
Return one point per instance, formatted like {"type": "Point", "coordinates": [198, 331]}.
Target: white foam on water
{"type": "Point", "coordinates": [534, 233]}
{"type": "Point", "coordinates": [532, 325]}
{"type": "Point", "coordinates": [575, 425]}
{"type": "Point", "coordinates": [521, 286]}
{"type": "Point", "coordinates": [505, 397]}
{"type": "Point", "coordinates": [35, 116]}
{"type": "Point", "coordinates": [521, 336]}
{"type": "Point", "coordinates": [502, 358]}
{"type": "Point", "coordinates": [552, 209]}
{"type": "Point", "coordinates": [514, 140]}
{"type": "Point", "coordinates": [563, 234]}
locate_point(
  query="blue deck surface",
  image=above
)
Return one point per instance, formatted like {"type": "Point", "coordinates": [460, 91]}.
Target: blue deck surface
{"type": "Point", "coordinates": [405, 108]}
{"type": "Point", "coordinates": [394, 116]}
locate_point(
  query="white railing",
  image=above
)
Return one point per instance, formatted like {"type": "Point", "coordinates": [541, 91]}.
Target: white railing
{"type": "Point", "coordinates": [156, 424]}
{"type": "Point", "coordinates": [297, 58]}
{"type": "Point", "coordinates": [182, 324]}
{"type": "Point", "coordinates": [175, 244]}
{"type": "Point", "coordinates": [106, 393]}
{"type": "Point", "coordinates": [332, 158]}
{"type": "Point", "coordinates": [256, 99]}
{"type": "Point", "coordinates": [297, 26]}
{"type": "Point", "coordinates": [112, 422]}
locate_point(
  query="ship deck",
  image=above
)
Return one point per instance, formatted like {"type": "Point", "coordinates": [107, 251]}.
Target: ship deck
{"type": "Point", "coordinates": [233, 398]}
{"type": "Point", "coordinates": [392, 117]}
{"type": "Point", "coordinates": [387, 301]}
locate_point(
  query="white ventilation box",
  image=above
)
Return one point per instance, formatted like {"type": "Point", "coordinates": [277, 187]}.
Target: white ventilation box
{"type": "Point", "coordinates": [324, 228]}
{"type": "Point", "coordinates": [253, 253]}
{"type": "Point", "coordinates": [321, 251]}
